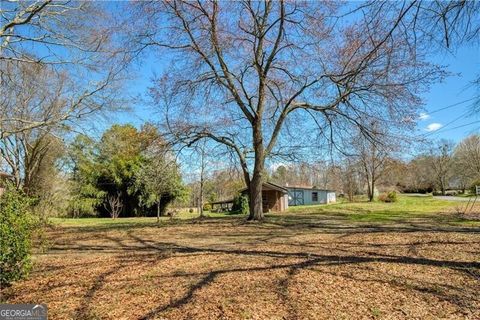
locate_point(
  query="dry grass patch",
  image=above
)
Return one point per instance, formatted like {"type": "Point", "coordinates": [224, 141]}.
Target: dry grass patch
{"type": "Point", "coordinates": [324, 268]}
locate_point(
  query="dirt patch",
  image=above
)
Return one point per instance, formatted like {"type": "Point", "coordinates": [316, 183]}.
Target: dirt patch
{"type": "Point", "coordinates": [227, 269]}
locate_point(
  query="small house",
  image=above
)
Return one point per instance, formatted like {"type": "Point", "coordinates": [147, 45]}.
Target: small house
{"type": "Point", "coordinates": [307, 195]}
{"type": "Point", "coordinates": [278, 198]}
{"type": "Point", "coordinates": [274, 197]}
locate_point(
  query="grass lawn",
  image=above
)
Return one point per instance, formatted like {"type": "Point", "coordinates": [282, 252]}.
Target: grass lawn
{"type": "Point", "coordinates": [414, 259]}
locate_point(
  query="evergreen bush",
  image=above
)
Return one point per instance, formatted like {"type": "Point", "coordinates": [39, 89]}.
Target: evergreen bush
{"type": "Point", "coordinates": [16, 228]}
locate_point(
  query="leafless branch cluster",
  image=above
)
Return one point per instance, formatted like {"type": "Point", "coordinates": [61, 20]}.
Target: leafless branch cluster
{"type": "Point", "coordinates": [245, 70]}
{"type": "Point", "coordinates": [77, 28]}
{"type": "Point", "coordinates": [62, 49]}
{"type": "Point", "coordinates": [114, 205]}
{"type": "Point", "coordinates": [59, 67]}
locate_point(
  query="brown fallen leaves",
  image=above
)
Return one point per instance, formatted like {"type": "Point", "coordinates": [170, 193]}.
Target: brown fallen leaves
{"type": "Point", "coordinates": [227, 269]}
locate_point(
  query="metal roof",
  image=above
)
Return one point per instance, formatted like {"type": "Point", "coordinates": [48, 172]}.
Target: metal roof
{"type": "Point", "coordinates": [308, 188]}
{"type": "Point", "coordinates": [269, 185]}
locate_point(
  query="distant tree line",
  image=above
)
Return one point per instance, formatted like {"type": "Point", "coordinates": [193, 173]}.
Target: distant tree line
{"type": "Point", "coordinates": [437, 168]}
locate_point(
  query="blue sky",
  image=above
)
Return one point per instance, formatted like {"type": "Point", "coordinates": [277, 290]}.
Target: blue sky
{"type": "Point", "coordinates": [453, 123]}
{"type": "Point", "coordinates": [450, 123]}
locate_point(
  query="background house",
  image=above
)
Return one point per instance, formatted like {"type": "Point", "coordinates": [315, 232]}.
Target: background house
{"type": "Point", "coordinates": [274, 197]}
{"type": "Point", "coordinates": [278, 198]}
{"type": "Point", "coordinates": [307, 195]}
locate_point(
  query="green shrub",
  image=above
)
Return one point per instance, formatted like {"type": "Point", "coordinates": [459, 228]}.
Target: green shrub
{"type": "Point", "coordinates": [391, 196]}
{"type": "Point", "coordinates": [207, 207]}
{"type": "Point", "coordinates": [240, 204]}
{"type": "Point", "coordinates": [16, 227]}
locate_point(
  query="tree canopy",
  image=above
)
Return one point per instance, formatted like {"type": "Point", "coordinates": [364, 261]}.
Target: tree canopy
{"type": "Point", "coordinates": [120, 163]}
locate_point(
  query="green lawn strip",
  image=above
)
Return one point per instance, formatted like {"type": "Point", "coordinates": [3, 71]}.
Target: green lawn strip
{"type": "Point", "coordinates": [407, 209]}
{"type": "Point", "coordinates": [130, 222]}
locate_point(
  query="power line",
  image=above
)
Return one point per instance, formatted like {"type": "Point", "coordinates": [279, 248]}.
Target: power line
{"type": "Point", "coordinates": [457, 127]}
{"type": "Point", "coordinates": [453, 105]}
{"type": "Point", "coordinates": [463, 115]}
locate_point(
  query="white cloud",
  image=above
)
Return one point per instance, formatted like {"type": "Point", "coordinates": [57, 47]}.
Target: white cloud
{"type": "Point", "coordinates": [423, 116]}
{"type": "Point", "coordinates": [434, 126]}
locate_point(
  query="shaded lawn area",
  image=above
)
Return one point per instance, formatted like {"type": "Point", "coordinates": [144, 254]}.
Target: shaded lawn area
{"type": "Point", "coordinates": [415, 259]}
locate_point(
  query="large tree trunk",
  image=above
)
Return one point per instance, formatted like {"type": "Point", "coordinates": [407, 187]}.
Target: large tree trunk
{"type": "Point", "coordinates": [255, 185]}
{"type": "Point", "coordinates": [255, 197]}
{"type": "Point", "coordinates": [441, 184]}
{"type": "Point", "coordinates": [372, 190]}
{"type": "Point", "coordinates": [369, 189]}
{"type": "Point", "coordinates": [371, 194]}
{"type": "Point", "coordinates": [370, 186]}
{"type": "Point", "coordinates": [200, 200]}
{"type": "Point", "coordinates": [368, 180]}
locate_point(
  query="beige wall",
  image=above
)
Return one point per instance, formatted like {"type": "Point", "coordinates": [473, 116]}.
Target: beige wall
{"type": "Point", "coordinates": [275, 201]}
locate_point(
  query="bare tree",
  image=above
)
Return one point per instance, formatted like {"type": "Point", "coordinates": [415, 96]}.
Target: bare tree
{"type": "Point", "coordinates": [214, 179]}
{"type": "Point", "coordinates": [253, 68]}
{"type": "Point", "coordinates": [457, 21]}
{"type": "Point", "coordinates": [350, 179]}
{"type": "Point", "coordinates": [37, 97]}
{"type": "Point", "coordinates": [30, 114]}
{"type": "Point", "coordinates": [25, 155]}
{"type": "Point", "coordinates": [64, 41]}
{"type": "Point", "coordinates": [34, 31]}
{"type": "Point", "coordinates": [114, 205]}
{"type": "Point", "coordinates": [467, 160]}
{"type": "Point", "coordinates": [419, 174]}
{"type": "Point", "coordinates": [202, 153]}
{"type": "Point", "coordinates": [440, 158]}
{"type": "Point", "coordinates": [58, 66]}
{"type": "Point", "coordinates": [372, 153]}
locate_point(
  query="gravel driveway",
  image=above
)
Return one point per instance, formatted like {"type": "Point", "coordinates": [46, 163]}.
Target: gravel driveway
{"type": "Point", "coordinates": [452, 198]}
{"type": "Point", "coordinates": [447, 198]}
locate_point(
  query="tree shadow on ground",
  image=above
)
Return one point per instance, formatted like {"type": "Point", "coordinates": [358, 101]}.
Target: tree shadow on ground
{"type": "Point", "coordinates": [133, 225]}
{"type": "Point", "coordinates": [323, 261]}
{"type": "Point", "coordinates": [334, 224]}
{"type": "Point", "coordinates": [311, 260]}
{"type": "Point", "coordinates": [145, 251]}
